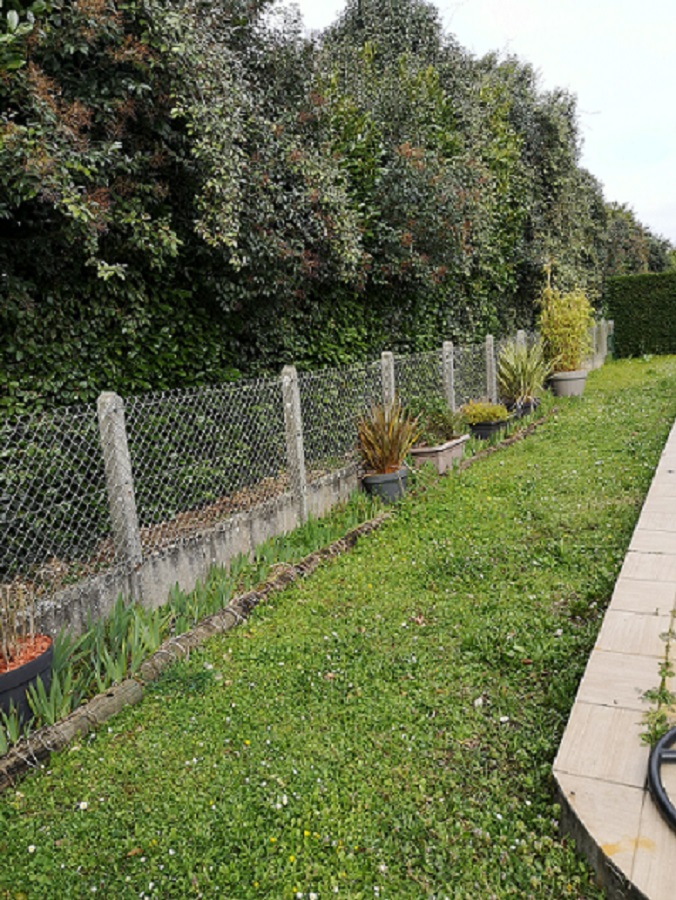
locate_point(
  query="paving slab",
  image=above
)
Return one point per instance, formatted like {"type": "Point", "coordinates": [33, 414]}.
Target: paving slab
{"type": "Point", "coordinates": [654, 540]}
{"type": "Point", "coordinates": [636, 634]}
{"type": "Point", "coordinates": [601, 767]}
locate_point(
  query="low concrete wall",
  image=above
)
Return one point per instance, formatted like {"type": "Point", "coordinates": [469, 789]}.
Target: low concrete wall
{"type": "Point", "coordinates": [188, 560]}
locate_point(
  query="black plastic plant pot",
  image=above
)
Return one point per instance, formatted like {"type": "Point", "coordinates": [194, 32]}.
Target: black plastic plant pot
{"type": "Point", "coordinates": [523, 408]}
{"type": "Point", "coordinates": [662, 755]}
{"type": "Point", "coordinates": [389, 486]}
{"type": "Point", "coordinates": [14, 684]}
{"type": "Point", "coordinates": [486, 430]}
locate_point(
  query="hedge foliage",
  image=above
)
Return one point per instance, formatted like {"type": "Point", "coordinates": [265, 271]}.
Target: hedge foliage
{"type": "Point", "coordinates": [644, 310]}
{"type": "Point", "coordinates": [189, 190]}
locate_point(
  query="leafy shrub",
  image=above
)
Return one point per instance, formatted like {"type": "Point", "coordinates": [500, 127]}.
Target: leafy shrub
{"type": "Point", "coordinates": [438, 422]}
{"type": "Point", "coordinates": [643, 308]}
{"type": "Point", "coordinates": [477, 411]}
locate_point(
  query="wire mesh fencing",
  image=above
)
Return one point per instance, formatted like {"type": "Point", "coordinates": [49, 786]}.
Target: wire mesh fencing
{"type": "Point", "coordinates": [54, 522]}
{"type": "Point", "coordinates": [419, 378]}
{"type": "Point", "coordinates": [193, 458]}
{"type": "Point", "coordinates": [332, 401]}
{"type": "Point", "coordinates": [201, 455]}
{"type": "Point", "coordinates": [470, 373]}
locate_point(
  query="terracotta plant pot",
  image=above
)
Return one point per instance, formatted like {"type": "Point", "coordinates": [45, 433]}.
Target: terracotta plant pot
{"type": "Point", "coordinates": [14, 684]}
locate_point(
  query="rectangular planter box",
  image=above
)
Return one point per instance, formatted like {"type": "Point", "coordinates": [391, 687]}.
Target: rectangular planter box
{"type": "Point", "coordinates": [442, 455]}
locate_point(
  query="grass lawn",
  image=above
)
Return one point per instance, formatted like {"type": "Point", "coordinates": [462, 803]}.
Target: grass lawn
{"type": "Point", "coordinates": [385, 729]}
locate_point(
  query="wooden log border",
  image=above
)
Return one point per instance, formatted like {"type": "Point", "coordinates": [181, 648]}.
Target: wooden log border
{"type": "Point", "coordinates": [32, 751]}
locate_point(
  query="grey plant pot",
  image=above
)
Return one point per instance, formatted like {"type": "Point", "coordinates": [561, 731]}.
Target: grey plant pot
{"type": "Point", "coordinates": [568, 384]}
{"type": "Point", "coordinates": [442, 455]}
{"type": "Point", "coordinates": [389, 486]}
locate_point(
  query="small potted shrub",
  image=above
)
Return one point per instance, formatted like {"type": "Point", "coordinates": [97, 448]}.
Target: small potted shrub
{"type": "Point", "coordinates": [484, 418]}
{"type": "Point", "coordinates": [24, 655]}
{"type": "Point", "coordinates": [564, 323]}
{"type": "Point", "coordinates": [442, 435]}
{"type": "Point", "coordinates": [386, 434]}
{"type": "Point", "coordinates": [521, 375]}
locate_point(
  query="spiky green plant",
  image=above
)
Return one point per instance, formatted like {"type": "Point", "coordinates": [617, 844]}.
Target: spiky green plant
{"type": "Point", "coordinates": [386, 434]}
{"type": "Point", "coordinates": [521, 372]}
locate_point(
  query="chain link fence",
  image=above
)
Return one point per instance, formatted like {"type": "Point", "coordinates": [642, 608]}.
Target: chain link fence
{"type": "Point", "coordinates": [194, 458]}
{"type": "Point", "coordinates": [419, 378]}
{"type": "Point", "coordinates": [331, 402]}
{"type": "Point", "coordinates": [469, 365]}
{"type": "Point", "coordinates": [54, 519]}
{"type": "Point", "coordinates": [201, 455]}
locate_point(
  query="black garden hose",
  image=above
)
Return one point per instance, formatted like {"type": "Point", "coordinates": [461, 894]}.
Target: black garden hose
{"type": "Point", "coordinates": [660, 755]}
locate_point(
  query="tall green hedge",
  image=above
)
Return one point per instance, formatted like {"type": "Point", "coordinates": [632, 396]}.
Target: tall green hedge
{"type": "Point", "coordinates": [644, 310]}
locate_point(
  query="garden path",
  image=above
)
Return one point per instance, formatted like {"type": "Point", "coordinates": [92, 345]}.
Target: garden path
{"type": "Point", "coordinates": [602, 764]}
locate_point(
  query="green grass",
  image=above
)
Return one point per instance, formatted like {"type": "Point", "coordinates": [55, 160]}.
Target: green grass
{"type": "Point", "coordinates": [387, 727]}
{"type": "Point", "coordinates": [113, 648]}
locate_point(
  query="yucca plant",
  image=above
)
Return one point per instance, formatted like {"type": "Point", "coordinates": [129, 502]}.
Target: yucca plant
{"type": "Point", "coordinates": [386, 434]}
{"type": "Point", "coordinates": [522, 372]}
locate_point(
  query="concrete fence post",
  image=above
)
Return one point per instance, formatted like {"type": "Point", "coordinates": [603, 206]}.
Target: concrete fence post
{"type": "Point", "coordinates": [119, 479]}
{"type": "Point", "coordinates": [293, 422]}
{"type": "Point", "coordinates": [448, 373]}
{"type": "Point", "coordinates": [594, 338]}
{"type": "Point", "coordinates": [491, 376]}
{"type": "Point", "coordinates": [604, 340]}
{"type": "Point", "coordinates": [389, 384]}
{"type": "Point", "coordinates": [521, 339]}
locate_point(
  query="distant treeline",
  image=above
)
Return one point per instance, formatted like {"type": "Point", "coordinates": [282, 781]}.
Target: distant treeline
{"type": "Point", "coordinates": [192, 190]}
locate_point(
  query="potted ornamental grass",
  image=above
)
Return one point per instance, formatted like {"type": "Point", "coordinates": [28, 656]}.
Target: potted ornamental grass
{"type": "Point", "coordinates": [443, 435]}
{"type": "Point", "coordinates": [521, 373]}
{"type": "Point", "coordinates": [485, 418]}
{"type": "Point", "coordinates": [565, 321]}
{"type": "Point", "coordinates": [25, 655]}
{"type": "Point", "coordinates": [386, 434]}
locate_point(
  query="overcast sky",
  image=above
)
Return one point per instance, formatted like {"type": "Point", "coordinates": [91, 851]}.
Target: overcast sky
{"type": "Point", "coordinates": [616, 56]}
